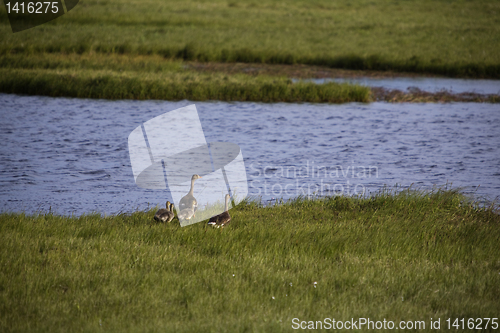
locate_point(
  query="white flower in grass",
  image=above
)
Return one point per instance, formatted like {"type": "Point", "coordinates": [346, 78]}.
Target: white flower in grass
{"type": "Point", "coordinates": [315, 283]}
{"type": "Point", "coordinates": [273, 297]}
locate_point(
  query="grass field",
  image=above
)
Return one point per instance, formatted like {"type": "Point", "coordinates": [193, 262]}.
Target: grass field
{"type": "Point", "coordinates": [456, 38]}
{"type": "Point", "coordinates": [407, 256]}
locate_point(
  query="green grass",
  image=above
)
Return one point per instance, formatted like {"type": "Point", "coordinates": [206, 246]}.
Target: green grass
{"type": "Point", "coordinates": [138, 49]}
{"type": "Point", "coordinates": [406, 256]}
{"type": "Point", "coordinates": [152, 77]}
{"type": "Point", "coordinates": [453, 38]}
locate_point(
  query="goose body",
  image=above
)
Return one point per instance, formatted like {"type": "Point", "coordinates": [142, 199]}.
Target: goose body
{"type": "Point", "coordinates": [223, 218]}
{"type": "Point", "coordinates": [189, 201]}
{"type": "Point", "coordinates": [187, 213]}
{"type": "Point", "coordinates": [165, 215]}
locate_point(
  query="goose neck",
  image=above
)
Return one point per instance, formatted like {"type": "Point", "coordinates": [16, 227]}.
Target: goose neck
{"type": "Point", "coordinates": [192, 187]}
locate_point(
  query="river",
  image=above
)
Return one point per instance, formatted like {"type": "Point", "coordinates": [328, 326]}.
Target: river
{"type": "Point", "coordinates": [70, 155]}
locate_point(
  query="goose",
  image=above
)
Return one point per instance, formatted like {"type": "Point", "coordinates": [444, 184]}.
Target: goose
{"type": "Point", "coordinates": [189, 201]}
{"type": "Point", "coordinates": [165, 215]}
{"type": "Point", "coordinates": [187, 213]}
{"type": "Point", "coordinates": [223, 218]}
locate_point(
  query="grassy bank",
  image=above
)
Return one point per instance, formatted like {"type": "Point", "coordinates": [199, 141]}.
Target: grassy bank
{"type": "Point", "coordinates": [411, 256]}
{"type": "Point", "coordinates": [459, 38]}
{"type": "Point", "coordinates": [152, 77]}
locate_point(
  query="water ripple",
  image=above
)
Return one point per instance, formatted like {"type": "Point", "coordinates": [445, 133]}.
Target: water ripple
{"type": "Point", "coordinates": [74, 157]}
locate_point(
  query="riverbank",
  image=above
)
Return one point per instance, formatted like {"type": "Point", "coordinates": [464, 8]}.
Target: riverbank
{"type": "Point", "coordinates": [419, 96]}
{"type": "Point", "coordinates": [378, 94]}
{"type": "Point", "coordinates": [403, 256]}
{"type": "Point", "coordinates": [153, 77]}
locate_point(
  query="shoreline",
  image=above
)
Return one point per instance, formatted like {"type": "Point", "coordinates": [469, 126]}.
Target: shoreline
{"type": "Point", "coordinates": [112, 76]}
{"type": "Point", "coordinates": [379, 94]}
{"type": "Point", "coordinates": [418, 96]}
{"type": "Point", "coordinates": [257, 202]}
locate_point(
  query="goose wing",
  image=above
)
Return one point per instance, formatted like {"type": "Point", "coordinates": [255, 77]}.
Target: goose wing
{"type": "Point", "coordinates": [185, 214]}
{"type": "Point", "coordinates": [187, 202]}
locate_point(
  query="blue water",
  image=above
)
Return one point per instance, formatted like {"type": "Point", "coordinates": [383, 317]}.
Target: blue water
{"type": "Point", "coordinates": [433, 85]}
{"type": "Point", "coordinates": [71, 156]}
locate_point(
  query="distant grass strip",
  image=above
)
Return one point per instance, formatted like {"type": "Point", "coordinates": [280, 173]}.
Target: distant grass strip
{"type": "Point", "coordinates": [405, 256]}
{"type": "Point", "coordinates": [153, 77]}
{"type": "Point", "coordinates": [161, 78]}
{"type": "Point", "coordinates": [190, 52]}
{"type": "Point", "coordinates": [413, 64]}
{"type": "Point", "coordinates": [452, 38]}
{"type": "Point", "coordinates": [177, 86]}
